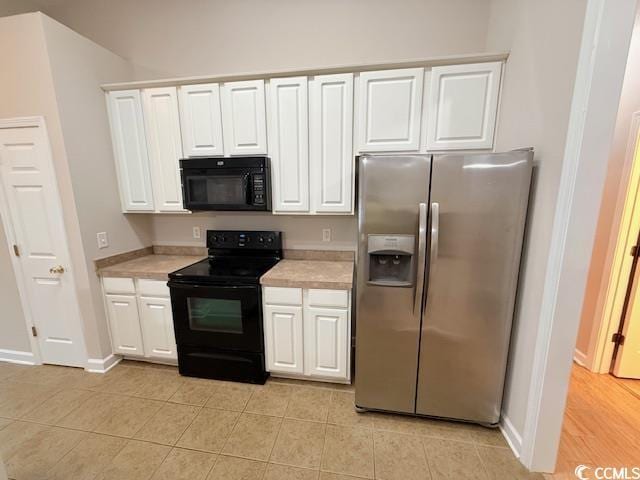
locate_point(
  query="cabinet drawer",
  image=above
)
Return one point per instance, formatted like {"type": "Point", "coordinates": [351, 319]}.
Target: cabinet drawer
{"type": "Point", "coordinates": [153, 288]}
{"type": "Point", "coordinates": [282, 295]}
{"type": "Point", "coordinates": [118, 285]}
{"type": "Point", "coordinates": [328, 298]}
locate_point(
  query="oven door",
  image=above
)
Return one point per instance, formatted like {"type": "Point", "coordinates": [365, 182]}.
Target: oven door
{"type": "Point", "coordinates": [217, 316]}
{"type": "Point", "coordinates": [228, 189]}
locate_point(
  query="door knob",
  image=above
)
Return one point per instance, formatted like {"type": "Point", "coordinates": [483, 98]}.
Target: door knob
{"type": "Point", "coordinates": [57, 269]}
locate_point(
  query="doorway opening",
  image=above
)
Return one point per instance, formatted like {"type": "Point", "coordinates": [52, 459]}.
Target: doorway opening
{"type": "Point", "coordinates": [602, 419]}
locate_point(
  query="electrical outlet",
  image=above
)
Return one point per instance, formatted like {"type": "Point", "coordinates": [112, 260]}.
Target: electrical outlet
{"type": "Point", "coordinates": [103, 240]}
{"type": "Point", "coordinates": [326, 234]}
{"type": "Point", "coordinates": [197, 233]}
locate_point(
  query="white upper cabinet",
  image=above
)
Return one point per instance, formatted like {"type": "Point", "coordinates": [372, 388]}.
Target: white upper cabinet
{"type": "Point", "coordinates": [164, 143]}
{"type": "Point", "coordinates": [201, 117]}
{"type": "Point", "coordinates": [244, 118]}
{"type": "Point", "coordinates": [389, 110]}
{"type": "Point", "coordinates": [331, 143]}
{"type": "Point", "coordinates": [462, 106]}
{"type": "Point", "coordinates": [130, 149]}
{"type": "Point", "coordinates": [289, 144]}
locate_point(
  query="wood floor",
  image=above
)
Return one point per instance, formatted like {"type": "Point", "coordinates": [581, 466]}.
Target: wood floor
{"type": "Point", "coordinates": [601, 424]}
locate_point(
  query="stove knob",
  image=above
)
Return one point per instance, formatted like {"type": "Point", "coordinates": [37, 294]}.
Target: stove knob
{"type": "Point", "coordinates": [260, 239]}
{"type": "Point", "coordinates": [270, 240]}
{"type": "Point", "coordinates": [223, 239]}
{"type": "Point", "coordinates": [215, 239]}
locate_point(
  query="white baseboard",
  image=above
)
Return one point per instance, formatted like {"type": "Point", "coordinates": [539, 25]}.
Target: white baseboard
{"type": "Point", "coordinates": [102, 365]}
{"type": "Point", "coordinates": [580, 358]}
{"type": "Point", "coordinates": [17, 356]}
{"type": "Point", "coordinates": [513, 437]}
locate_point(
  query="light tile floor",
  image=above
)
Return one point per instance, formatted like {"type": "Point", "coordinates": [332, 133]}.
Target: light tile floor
{"type": "Point", "coordinates": [142, 421]}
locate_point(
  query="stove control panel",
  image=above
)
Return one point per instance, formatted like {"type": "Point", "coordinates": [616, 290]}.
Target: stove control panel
{"type": "Point", "coordinates": [244, 239]}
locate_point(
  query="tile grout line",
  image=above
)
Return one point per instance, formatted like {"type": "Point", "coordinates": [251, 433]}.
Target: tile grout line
{"type": "Point", "coordinates": [426, 457]}
{"type": "Point", "coordinates": [484, 467]}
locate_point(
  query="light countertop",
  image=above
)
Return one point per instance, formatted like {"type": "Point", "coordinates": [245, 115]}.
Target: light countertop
{"type": "Point", "coordinates": [154, 267]}
{"type": "Point", "coordinates": [336, 275]}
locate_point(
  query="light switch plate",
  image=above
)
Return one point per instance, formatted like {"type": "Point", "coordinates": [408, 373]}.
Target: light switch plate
{"type": "Point", "coordinates": [103, 240]}
{"type": "Point", "coordinates": [326, 234]}
{"type": "Point", "coordinates": [197, 233]}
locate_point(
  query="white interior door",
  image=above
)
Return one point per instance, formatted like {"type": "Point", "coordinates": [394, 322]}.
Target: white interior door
{"type": "Point", "coordinates": [31, 206]}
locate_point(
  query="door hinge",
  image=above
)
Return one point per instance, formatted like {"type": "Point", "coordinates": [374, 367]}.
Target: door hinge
{"type": "Point", "coordinates": [618, 338]}
{"type": "Point", "coordinates": [34, 332]}
{"type": "Point", "coordinates": [16, 250]}
{"type": "Point", "coordinates": [634, 250]}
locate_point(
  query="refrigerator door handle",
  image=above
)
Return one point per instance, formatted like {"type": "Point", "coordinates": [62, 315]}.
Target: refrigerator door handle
{"type": "Point", "coordinates": [435, 233]}
{"type": "Point", "coordinates": [422, 247]}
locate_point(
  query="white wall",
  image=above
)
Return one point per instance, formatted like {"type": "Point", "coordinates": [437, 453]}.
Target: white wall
{"type": "Point", "coordinates": [78, 67]}
{"type": "Point", "coordinates": [56, 73]}
{"type": "Point", "coordinates": [27, 90]}
{"type": "Point", "coordinates": [543, 37]}
{"type": "Point", "coordinates": [164, 38]}
{"type": "Point", "coordinates": [13, 330]}
{"type": "Point", "coordinates": [299, 231]}
{"type": "Point", "coordinates": [609, 216]}
{"type": "Point", "coordinates": [195, 37]}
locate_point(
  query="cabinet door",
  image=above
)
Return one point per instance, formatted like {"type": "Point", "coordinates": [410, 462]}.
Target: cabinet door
{"type": "Point", "coordinates": [125, 324]}
{"type": "Point", "coordinates": [201, 117]}
{"type": "Point", "coordinates": [164, 142]}
{"type": "Point", "coordinates": [389, 110]}
{"type": "Point", "coordinates": [326, 342]}
{"type": "Point", "coordinates": [130, 149]}
{"type": "Point", "coordinates": [331, 132]}
{"type": "Point", "coordinates": [462, 106]}
{"type": "Point", "coordinates": [283, 339]}
{"type": "Point", "coordinates": [244, 118]}
{"type": "Point", "coordinates": [156, 321]}
{"type": "Point", "coordinates": [289, 144]}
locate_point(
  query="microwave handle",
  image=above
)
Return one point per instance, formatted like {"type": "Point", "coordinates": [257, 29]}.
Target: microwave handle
{"type": "Point", "coordinates": [248, 187]}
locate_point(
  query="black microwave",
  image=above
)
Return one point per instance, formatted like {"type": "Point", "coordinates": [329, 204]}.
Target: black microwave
{"type": "Point", "coordinates": [236, 183]}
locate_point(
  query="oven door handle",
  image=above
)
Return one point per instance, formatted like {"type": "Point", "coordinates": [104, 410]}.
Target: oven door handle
{"type": "Point", "coordinates": [193, 286]}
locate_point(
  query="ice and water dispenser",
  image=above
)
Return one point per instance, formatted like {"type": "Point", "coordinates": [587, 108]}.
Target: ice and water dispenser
{"type": "Point", "coordinates": [391, 259]}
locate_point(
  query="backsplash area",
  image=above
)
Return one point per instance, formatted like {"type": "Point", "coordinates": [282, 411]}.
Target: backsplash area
{"type": "Point", "coordinates": [300, 232]}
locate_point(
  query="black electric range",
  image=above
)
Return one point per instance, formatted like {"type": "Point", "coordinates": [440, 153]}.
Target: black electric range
{"type": "Point", "coordinates": [217, 306]}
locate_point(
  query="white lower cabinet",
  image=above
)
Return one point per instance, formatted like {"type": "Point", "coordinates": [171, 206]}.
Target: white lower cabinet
{"type": "Point", "coordinates": [326, 343]}
{"type": "Point", "coordinates": [140, 318]}
{"type": "Point", "coordinates": [156, 321]}
{"type": "Point", "coordinates": [283, 338]}
{"type": "Point", "coordinates": [307, 333]}
{"type": "Point", "coordinates": [125, 326]}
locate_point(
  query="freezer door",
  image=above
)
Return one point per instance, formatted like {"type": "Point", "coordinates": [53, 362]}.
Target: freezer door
{"type": "Point", "coordinates": [478, 209]}
{"type": "Point", "coordinates": [392, 222]}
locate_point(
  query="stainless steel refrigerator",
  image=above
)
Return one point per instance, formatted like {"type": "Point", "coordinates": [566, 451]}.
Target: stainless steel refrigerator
{"type": "Point", "coordinates": [439, 247]}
